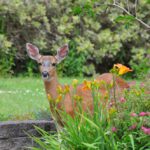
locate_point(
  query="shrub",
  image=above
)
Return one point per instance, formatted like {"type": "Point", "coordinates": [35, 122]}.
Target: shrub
{"type": "Point", "coordinates": [100, 41]}
{"type": "Point", "coordinates": [140, 63]}
{"type": "Point", "coordinates": [7, 56]}
{"type": "Point", "coordinates": [72, 66]}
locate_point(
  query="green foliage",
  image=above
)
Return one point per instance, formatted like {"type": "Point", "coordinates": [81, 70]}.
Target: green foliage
{"type": "Point", "coordinates": [140, 62]}
{"type": "Point", "coordinates": [126, 20]}
{"type": "Point", "coordinates": [109, 127]}
{"type": "Point", "coordinates": [72, 66]}
{"type": "Point", "coordinates": [50, 24]}
{"type": "Point", "coordinates": [84, 8]}
{"type": "Point", "coordinates": [7, 56]}
{"type": "Point", "coordinates": [138, 100]}
{"type": "Point", "coordinates": [148, 1]}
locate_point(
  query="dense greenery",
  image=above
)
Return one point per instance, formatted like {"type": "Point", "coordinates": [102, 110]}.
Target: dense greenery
{"type": "Point", "coordinates": [96, 38]}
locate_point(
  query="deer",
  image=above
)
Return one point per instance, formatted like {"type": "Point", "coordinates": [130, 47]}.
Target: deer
{"type": "Point", "coordinates": [47, 67]}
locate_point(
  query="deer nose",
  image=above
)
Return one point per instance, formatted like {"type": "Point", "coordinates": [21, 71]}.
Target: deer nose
{"type": "Point", "coordinates": [45, 74]}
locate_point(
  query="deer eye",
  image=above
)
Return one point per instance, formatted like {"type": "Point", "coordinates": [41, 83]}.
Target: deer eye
{"type": "Point", "coordinates": [40, 63]}
{"type": "Point", "coordinates": [54, 64]}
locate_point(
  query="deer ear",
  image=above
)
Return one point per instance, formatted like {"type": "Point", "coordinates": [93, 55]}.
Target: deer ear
{"type": "Point", "coordinates": [62, 53]}
{"type": "Point", "coordinates": [33, 51]}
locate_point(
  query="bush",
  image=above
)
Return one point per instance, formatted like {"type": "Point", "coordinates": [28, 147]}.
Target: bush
{"type": "Point", "coordinates": [100, 41]}
{"type": "Point", "coordinates": [72, 65]}
{"type": "Point", "coordinates": [7, 56]}
{"type": "Point", "coordinates": [140, 63]}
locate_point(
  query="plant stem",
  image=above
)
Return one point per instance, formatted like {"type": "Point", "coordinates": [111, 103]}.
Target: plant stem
{"type": "Point", "coordinates": [114, 91]}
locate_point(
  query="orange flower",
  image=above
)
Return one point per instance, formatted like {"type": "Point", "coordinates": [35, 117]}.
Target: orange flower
{"type": "Point", "coordinates": [122, 69]}
{"type": "Point", "coordinates": [86, 85]}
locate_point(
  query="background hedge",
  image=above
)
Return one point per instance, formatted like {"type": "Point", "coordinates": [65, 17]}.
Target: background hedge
{"type": "Point", "coordinates": [96, 39]}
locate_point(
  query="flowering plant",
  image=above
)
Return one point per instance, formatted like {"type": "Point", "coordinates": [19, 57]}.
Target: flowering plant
{"type": "Point", "coordinates": [115, 123]}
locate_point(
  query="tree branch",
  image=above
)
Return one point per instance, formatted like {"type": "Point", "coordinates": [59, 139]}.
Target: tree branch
{"type": "Point", "coordinates": [127, 12]}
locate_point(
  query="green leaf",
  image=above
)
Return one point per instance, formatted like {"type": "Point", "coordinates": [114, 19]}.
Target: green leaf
{"type": "Point", "coordinates": [132, 141]}
{"type": "Point", "coordinates": [90, 121]}
{"type": "Point", "coordinates": [77, 10]}
{"type": "Point", "coordinates": [148, 1]}
{"type": "Point", "coordinates": [90, 145]}
{"type": "Point", "coordinates": [125, 18]}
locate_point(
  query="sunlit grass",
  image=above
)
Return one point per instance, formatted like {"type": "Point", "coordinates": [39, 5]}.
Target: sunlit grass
{"type": "Point", "coordinates": [23, 98]}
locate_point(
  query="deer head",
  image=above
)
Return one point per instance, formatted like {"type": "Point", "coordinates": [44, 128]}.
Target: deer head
{"type": "Point", "coordinates": [47, 64]}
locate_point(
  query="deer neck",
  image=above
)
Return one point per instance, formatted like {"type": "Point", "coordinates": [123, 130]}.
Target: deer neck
{"type": "Point", "coordinates": [51, 86]}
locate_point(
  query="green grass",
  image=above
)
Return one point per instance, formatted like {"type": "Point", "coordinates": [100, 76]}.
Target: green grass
{"type": "Point", "coordinates": [23, 98]}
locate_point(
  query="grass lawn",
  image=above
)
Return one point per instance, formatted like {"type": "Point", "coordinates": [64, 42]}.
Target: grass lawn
{"type": "Point", "coordinates": [24, 98]}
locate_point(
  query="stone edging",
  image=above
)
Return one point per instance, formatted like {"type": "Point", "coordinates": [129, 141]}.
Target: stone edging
{"type": "Point", "coordinates": [13, 134]}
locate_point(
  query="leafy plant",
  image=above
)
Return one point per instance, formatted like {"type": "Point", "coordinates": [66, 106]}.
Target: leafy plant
{"type": "Point", "coordinates": [72, 66]}
{"type": "Point", "coordinates": [114, 124]}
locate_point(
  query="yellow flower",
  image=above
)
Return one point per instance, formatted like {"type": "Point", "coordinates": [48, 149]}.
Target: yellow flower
{"type": "Point", "coordinates": [63, 90]}
{"type": "Point", "coordinates": [86, 85]}
{"type": "Point", "coordinates": [59, 98]}
{"type": "Point", "coordinates": [74, 82]}
{"type": "Point", "coordinates": [122, 69]}
{"type": "Point", "coordinates": [137, 92]}
{"type": "Point", "coordinates": [59, 89]}
{"type": "Point", "coordinates": [112, 110]}
{"type": "Point", "coordinates": [77, 98]}
{"type": "Point", "coordinates": [49, 97]}
{"type": "Point", "coordinates": [96, 83]}
{"type": "Point", "coordinates": [66, 89]}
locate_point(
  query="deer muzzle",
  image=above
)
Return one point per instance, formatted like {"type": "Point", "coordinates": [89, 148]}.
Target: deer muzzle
{"type": "Point", "coordinates": [45, 74]}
